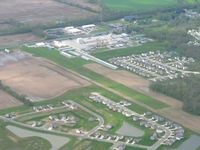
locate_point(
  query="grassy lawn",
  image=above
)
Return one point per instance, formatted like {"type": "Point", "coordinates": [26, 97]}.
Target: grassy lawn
{"type": "Point", "coordinates": [80, 114]}
{"type": "Point", "coordinates": [154, 46]}
{"type": "Point", "coordinates": [193, 1]}
{"type": "Point", "coordinates": [131, 148]}
{"type": "Point", "coordinates": [76, 65]}
{"type": "Point", "coordinates": [87, 144]}
{"type": "Point", "coordinates": [21, 109]}
{"type": "Point", "coordinates": [139, 5]}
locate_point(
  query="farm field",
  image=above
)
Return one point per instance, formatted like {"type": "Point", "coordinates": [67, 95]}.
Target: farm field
{"type": "Point", "coordinates": [188, 120]}
{"type": "Point", "coordinates": [39, 79]}
{"type": "Point", "coordinates": [7, 101]}
{"type": "Point", "coordinates": [85, 4]}
{"type": "Point", "coordinates": [13, 40]}
{"type": "Point", "coordinates": [130, 80]}
{"type": "Point", "coordinates": [33, 12]}
{"type": "Point", "coordinates": [79, 74]}
{"type": "Point", "coordinates": [35, 16]}
{"type": "Point", "coordinates": [77, 66]}
{"type": "Point", "coordinates": [121, 76]}
{"type": "Point", "coordinates": [143, 6]}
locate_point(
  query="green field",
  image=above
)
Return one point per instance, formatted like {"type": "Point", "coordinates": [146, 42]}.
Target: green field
{"type": "Point", "coordinates": [80, 114]}
{"type": "Point", "coordinates": [154, 46]}
{"type": "Point", "coordinates": [139, 5]}
{"type": "Point", "coordinates": [144, 5]}
{"type": "Point", "coordinates": [131, 148]}
{"type": "Point", "coordinates": [90, 145]}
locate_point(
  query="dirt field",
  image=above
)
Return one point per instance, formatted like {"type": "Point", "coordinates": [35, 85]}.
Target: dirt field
{"type": "Point", "coordinates": [39, 79]}
{"type": "Point", "coordinates": [174, 112]}
{"type": "Point", "coordinates": [7, 101]}
{"type": "Point", "coordinates": [39, 11]}
{"type": "Point", "coordinates": [124, 77]}
{"type": "Point", "coordinates": [133, 81]}
{"type": "Point", "coordinates": [190, 121]}
{"type": "Point", "coordinates": [12, 40]}
{"type": "Point", "coordinates": [84, 4]}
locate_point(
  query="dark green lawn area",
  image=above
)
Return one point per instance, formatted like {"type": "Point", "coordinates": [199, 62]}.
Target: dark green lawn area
{"type": "Point", "coordinates": [76, 65]}
{"type": "Point", "coordinates": [139, 6]}
{"type": "Point", "coordinates": [131, 148]}
{"type": "Point", "coordinates": [154, 46]}
{"type": "Point", "coordinates": [86, 144]}
{"type": "Point", "coordinates": [80, 114]}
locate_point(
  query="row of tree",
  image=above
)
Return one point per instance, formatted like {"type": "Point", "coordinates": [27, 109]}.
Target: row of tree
{"type": "Point", "coordinates": [187, 90]}
{"type": "Point", "coordinates": [20, 97]}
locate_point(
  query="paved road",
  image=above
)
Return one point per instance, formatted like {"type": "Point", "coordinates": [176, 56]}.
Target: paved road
{"type": "Point", "coordinates": [67, 134]}
{"type": "Point", "coordinates": [100, 119]}
{"type": "Point", "coordinates": [121, 95]}
{"type": "Point", "coordinates": [84, 136]}
{"type": "Point", "coordinates": [165, 129]}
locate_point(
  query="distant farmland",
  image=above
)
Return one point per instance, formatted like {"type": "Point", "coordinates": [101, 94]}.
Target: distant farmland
{"type": "Point", "coordinates": [144, 5]}
{"type": "Point", "coordinates": [38, 12]}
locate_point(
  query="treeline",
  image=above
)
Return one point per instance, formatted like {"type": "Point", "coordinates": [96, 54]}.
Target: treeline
{"type": "Point", "coordinates": [104, 15]}
{"type": "Point", "coordinates": [80, 6]}
{"type": "Point", "coordinates": [27, 28]}
{"type": "Point", "coordinates": [187, 90]}
{"type": "Point", "coordinates": [21, 98]}
{"type": "Point", "coordinates": [173, 28]}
